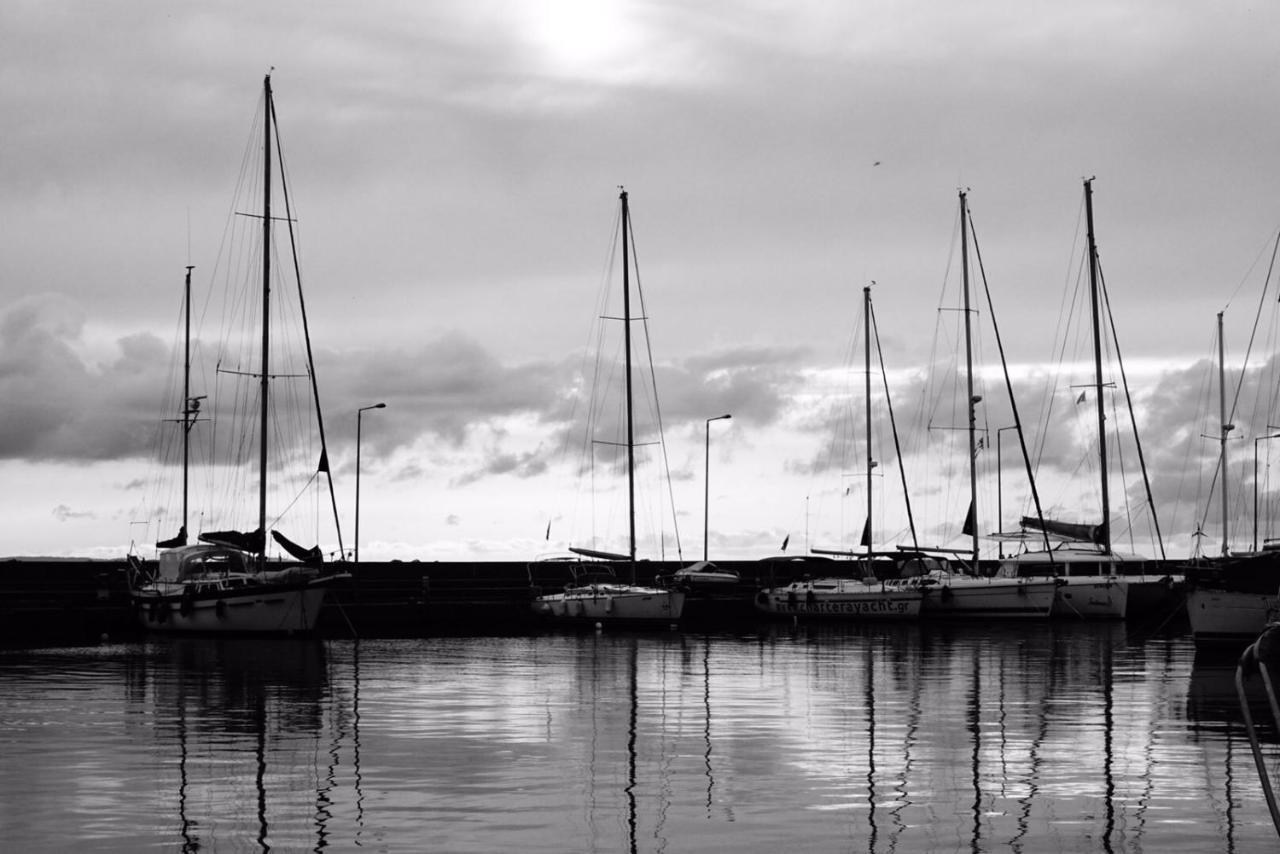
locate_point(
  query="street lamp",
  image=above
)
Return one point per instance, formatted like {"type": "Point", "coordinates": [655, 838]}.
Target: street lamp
{"type": "Point", "coordinates": [360, 415]}
{"type": "Point", "coordinates": [999, 489]}
{"type": "Point", "coordinates": [1255, 481]}
{"type": "Point", "coordinates": [706, 498]}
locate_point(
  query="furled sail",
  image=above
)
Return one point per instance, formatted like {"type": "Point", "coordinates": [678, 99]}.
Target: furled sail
{"type": "Point", "coordinates": [1096, 534]}
{"type": "Point", "coordinates": [596, 554]}
{"type": "Point", "coordinates": [311, 556]}
{"type": "Point", "coordinates": [179, 540]}
{"type": "Point", "coordinates": [253, 542]}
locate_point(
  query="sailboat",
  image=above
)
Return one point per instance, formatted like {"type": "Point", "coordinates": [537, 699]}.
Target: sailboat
{"type": "Point", "coordinates": [864, 596]}
{"type": "Point", "coordinates": [224, 583]}
{"type": "Point", "coordinates": [594, 594]}
{"type": "Point", "coordinates": [1083, 558]}
{"type": "Point", "coordinates": [1232, 598]}
{"type": "Point", "coordinates": [954, 590]}
{"type": "Point", "coordinates": [1097, 581]}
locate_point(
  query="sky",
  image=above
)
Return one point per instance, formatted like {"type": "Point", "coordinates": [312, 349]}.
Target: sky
{"type": "Point", "coordinates": [455, 171]}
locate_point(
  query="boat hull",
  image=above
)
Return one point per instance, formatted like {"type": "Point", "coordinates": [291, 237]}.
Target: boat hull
{"type": "Point", "coordinates": [841, 599]}
{"type": "Point", "coordinates": [267, 610]}
{"type": "Point", "coordinates": [1092, 598]}
{"type": "Point", "coordinates": [611, 604]}
{"type": "Point", "coordinates": [1153, 595]}
{"type": "Point", "coordinates": [1227, 615]}
{"type": "Point", "coordinates": [990, 598]}
{"type": "Point", "coordinates": [1093, 583]}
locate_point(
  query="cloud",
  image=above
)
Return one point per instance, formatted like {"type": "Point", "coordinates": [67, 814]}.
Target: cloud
{"type": "Point", "coordinates": [58, 406]}
{"type": "Point", "coordinates": [63, 513]}
{"type": "Point", "coordinates": [443, 387]}
{"type": "Point", "coordinates": [523, 465]}
{"type": "Point", "coordinates": [754, 385]}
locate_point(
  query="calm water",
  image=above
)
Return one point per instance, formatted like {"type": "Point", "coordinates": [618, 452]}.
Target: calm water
{"type": "Point", "coordinates": [1029, 738]}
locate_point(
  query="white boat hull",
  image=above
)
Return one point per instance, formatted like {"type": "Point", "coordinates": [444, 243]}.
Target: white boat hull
{"type": "Point", "coordinates": [1092, 598]}
{"type": "Point", "coordinates": [965, 597]}
{"type": "Point", "coordinates": [287, 610]}
{"type": "Point", "coordinates": [1223, 615]}
{"type": "Point", "coordinates": [611, 603]}
{"type": "Point", "coordinates": [1094, 587]}
{"type": "Point", "coordinates": [841, 599]}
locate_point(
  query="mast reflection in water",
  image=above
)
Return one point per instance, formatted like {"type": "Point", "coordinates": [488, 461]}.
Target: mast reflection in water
{"type": "Point", "coordinates": [1057, 737]}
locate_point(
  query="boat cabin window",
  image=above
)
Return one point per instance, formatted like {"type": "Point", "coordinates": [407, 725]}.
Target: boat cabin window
{"type": "Point", "coordinates": [1087, 568]}
{"type": "Point", "coordinates": [212, 563]}
{"type": "Point", "coordinates": [914, 566]}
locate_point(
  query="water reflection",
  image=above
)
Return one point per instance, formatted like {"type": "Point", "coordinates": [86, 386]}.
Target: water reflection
{"type": "Point", "coordinates": [1215, 717]}
{"type": "Point", "coordinates": [252, 706]}
{"type": "Point", "coordinates": [1055, 737]}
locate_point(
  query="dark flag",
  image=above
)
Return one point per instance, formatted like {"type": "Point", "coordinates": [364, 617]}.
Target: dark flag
{"type": "Point", "coordinates": [548, 536]}
{"type": "Point", "coordinates": [866, 532]}
{"type": "Point", "coordinates": [324, 461]}
{"type": "Point", "coordinates": [970, 522]}
{"type": "Point", "coordinates": [785, 540]}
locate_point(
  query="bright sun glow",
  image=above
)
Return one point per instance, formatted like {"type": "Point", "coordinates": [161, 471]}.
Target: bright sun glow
{"type": "Point", "coordinates": [582, 38]}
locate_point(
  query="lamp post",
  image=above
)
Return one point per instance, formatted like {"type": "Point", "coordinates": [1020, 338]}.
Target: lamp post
{"type": "Point", "coordinates": [706, 498]}
{"type": "Point", "coordinates": [1255, 481]}
{"type": "Point", "coordinates": [360, 415]}
{"type": "Point", "coordinates": [999, 488]}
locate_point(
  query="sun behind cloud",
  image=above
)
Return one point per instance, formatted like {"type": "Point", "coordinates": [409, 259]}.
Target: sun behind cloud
{"type": "Point", "coordinates": [582, 38]}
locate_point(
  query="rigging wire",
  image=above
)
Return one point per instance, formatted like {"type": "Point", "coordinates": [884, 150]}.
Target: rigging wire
{"type": "Point", "coordinates": [840, 436]}
{"type": "Point", "coordinates": [1114, 340]}
{"type": "Point", "coordinates": [1062, 331]}
{"type": "Point", "coordinates": [1257, 318]}
{"type": "Point", "coordinates": [1259, 407]}
{"type": "Point", "coordinates": [1013, 402]}
{"type": "Point", "coordinates": [323, 464]}
{"type": "Point", "coordinates": [941, 375]}
{"type": "Point", "coordinates": [656, 399]}
{"type": "Point", "coordinates": [897, 448]}
{"type": "Point", "coordinates": [601, 366]}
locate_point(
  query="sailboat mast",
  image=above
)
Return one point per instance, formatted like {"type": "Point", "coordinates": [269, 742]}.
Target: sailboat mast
{"type": "Point", "coordinates": [266, 312]}
{"type": "Point", "coordinates": [968, 359]}
{"type": "Point", "coordinates": [306, 336]}
{"type": "Point", "coordinates": [626, 333]}
{"type": "Point", "coordinates": [1226, 428]}
{"type": "Point", "coordinates": [866, 334]}
{"type": "Point", "coordinates": [186, 401]}
{"type": "Point", "coordinates": [1095, 306]}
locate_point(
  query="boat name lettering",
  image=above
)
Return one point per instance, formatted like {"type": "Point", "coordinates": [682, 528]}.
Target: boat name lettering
{"type": "Point", "coordinates": [879, 606]}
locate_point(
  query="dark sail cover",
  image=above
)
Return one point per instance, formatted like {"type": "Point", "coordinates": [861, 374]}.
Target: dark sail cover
{"type": "Point", "coordinates": [597, 555]}
{"type": "Point", "coordinates": [1096, 534]}
{"type": "Point", "coordinates": [179, 540]}
{"type": "Point", "coordinates": [311, 556]}
{"type": "Point", "coordinates": [254, 542]}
